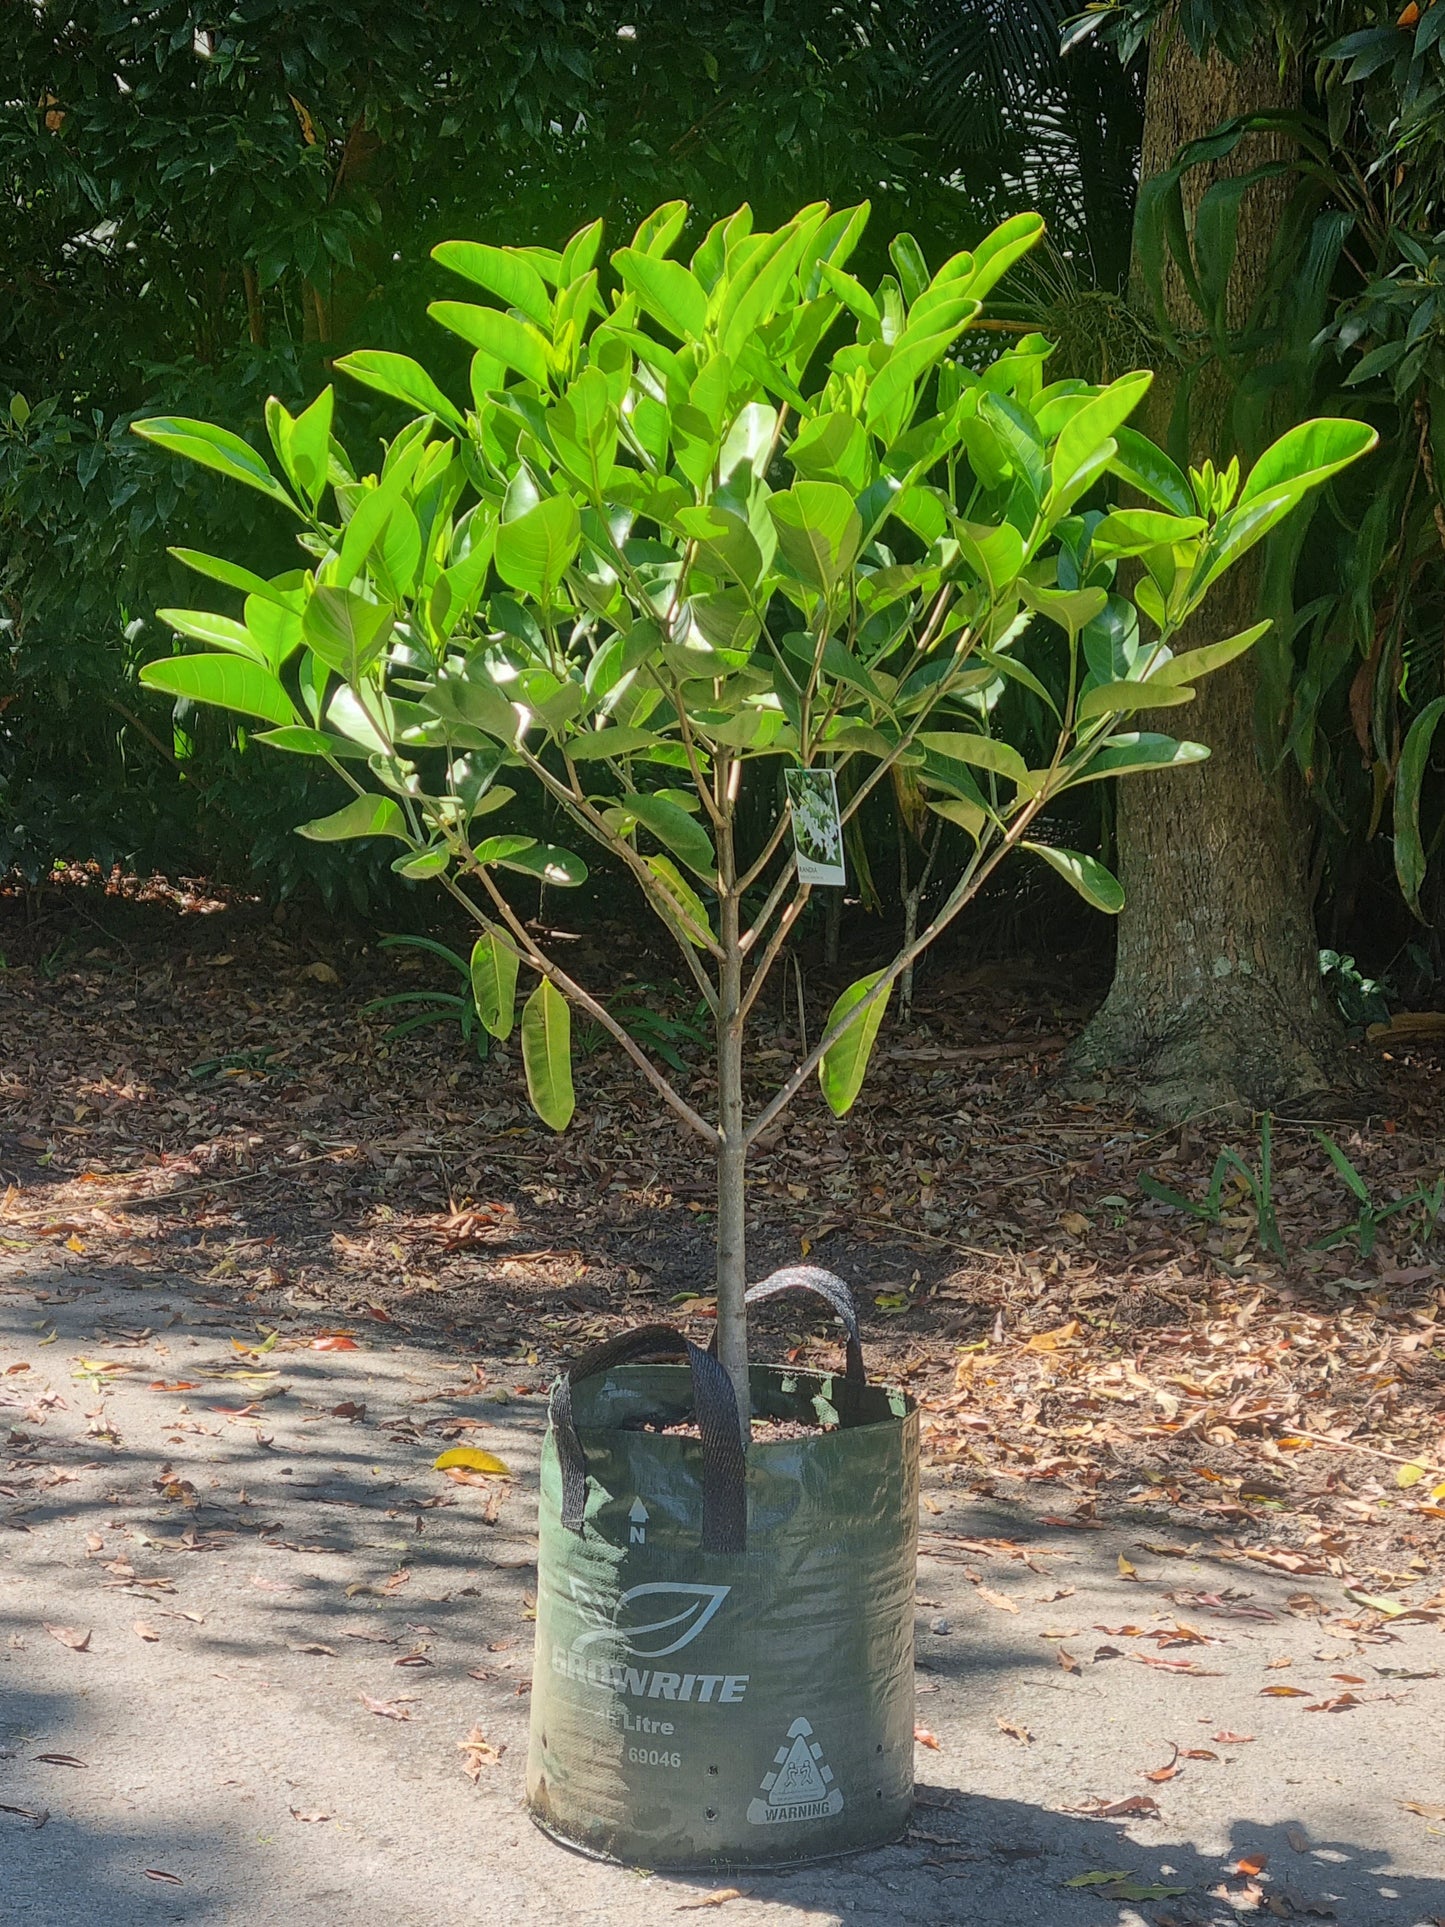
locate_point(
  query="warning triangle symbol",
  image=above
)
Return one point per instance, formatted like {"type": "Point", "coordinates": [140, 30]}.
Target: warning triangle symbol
{"type": "Point", "coordinates": [799, 1784]}
{"type": "Point", "coordinates": [798, 1777]}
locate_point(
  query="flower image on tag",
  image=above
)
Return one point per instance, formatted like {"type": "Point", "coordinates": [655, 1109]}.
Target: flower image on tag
{"type": "Point", "coordinates": [817, 831]}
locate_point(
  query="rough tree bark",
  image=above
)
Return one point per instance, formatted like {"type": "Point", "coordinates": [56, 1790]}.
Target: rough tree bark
{"type": "Point", "coordinates": [1216, 999]}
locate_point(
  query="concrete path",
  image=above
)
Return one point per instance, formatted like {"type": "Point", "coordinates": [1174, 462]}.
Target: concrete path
{"type": "Point", "coordinates": [277, 1627]}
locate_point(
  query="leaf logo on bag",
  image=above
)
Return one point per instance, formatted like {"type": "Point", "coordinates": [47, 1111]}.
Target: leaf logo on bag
{"type": "Point", "coordinates": [694, 1607]}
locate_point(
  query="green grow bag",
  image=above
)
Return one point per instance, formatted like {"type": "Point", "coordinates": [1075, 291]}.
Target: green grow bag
{"type": "Point", "coordinates": [724, 1663]}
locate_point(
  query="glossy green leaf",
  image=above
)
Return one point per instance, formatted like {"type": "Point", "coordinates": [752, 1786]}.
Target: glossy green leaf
{"type": "Point", "coordinates": [534, 552]}
{"type": "Point", "coordinates": [516, 344]}
{"type": "Point", "coordinates": [981, 752]}
{"type": "Point", "coordinates": [369, 815]}
{"type": "Point", "coordinates": [301, 741]}
{"type": "Point", "coordinates": [1133, 750]}
{"type": "Point", "coordinates": [1094, 883]}
{"type": "Point", "coordinates": [1214, 655]}
{"type": "Point", "coordinates": [401, 378]}
{"type": "Point", "coordinates": [221, 632]}
{"type": "Point", "coordinates": [599, 744]}
{"type": "Point", "coordinates": [563, 869]}
{"type": "Point", "coordinates": [345, 631]}
{"type": "Point", "coordinates": [684, 908]}
{"type": "Point", "coordinates": [215, 448]}
{"type": "Point", "coordinates": [225, 682]}
{"type": "Point", "coordinates": [819, 530]}
{"type": "Point", "coordinates": [957, 809]}
{"type": "Point", "coordinates": [666, 290]}
{"type": "Point", "coordinates": [1137, 462]}
{"type": "Point", "coordinates": [675, 829]}
{"type": "Point", "coordinates": [1306, 455]}
{"type": "Point", "coordinates": [1409, 781]}
{"type": "Point", "coordinates": [233, 575]}
{"type": "Point", "coordinates": [844, 1064]}
{"type": "Point", "coordinates": [502, 272]}
{"type": "Point", "coordinates": [1132, 531]}
{"type": "Point", "coordinates": [494, 984]}
{"type": "Point", "coordinates": [1122, 698]}
{"type": "Point", "coordinates": [547, 1055]}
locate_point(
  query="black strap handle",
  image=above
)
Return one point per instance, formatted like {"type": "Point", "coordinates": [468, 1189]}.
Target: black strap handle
{"type": "Point", "coordinates": [724, 1468]}
{"type": "Point", "coordinates": [826, 1285]}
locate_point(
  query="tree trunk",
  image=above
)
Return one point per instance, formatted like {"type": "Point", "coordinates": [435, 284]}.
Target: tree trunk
{"type": "Point", "coordinates": [1216, 1001]}
{"type": "Point", "coordinates": [732, 1155]}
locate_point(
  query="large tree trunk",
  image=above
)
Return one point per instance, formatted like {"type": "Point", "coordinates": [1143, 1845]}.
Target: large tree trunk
{"type": "Point", "coordinates": [1216, 999]}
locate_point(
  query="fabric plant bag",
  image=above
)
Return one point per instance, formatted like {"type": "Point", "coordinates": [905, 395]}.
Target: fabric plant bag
{"type": "Point", "coordinates": [724, 1664]}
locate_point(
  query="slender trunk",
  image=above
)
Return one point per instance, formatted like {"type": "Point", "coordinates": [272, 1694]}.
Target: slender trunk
{"type": "Point", "coordinates": [732, 1264]}
{"type": "Point", "coordinates": [1216, 1000]}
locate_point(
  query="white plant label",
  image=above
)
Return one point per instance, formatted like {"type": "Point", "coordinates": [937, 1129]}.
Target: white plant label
{"type": "Point", "coordinates": [817, 827]}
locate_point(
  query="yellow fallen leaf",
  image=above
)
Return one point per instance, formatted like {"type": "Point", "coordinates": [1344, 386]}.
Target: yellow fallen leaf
{"type": "Point", "coordinates": [73, 1243]}
{"type": "Point", "coordinates": [1409, 1474]}
{"type": "Point", "coordinates": [1050, 1341]}
{"type": "Point", "coordinates": [1075, 1223]}
{"type": "Point", "coordinates": [719, 1897]}
{"type": "Point", "coordinates": [473, 1460]}
{"type": "Point", "coordinates": [1126, 1570]}
{"type": "Point", "coordinates": [1439, 1491]}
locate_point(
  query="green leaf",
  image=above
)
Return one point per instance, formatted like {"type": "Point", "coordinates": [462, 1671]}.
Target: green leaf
{"type": "Point", "coordinates": [494, 984]}
{"type": "Point", "coordinates": [1148, 469]}
{"type": "Point", "coordinates": [401, 378]}
{"type": "Point", "coordinates": [982, 752]}
{"type": "Point", "coordinates": [215, 448]}
{"type": "Point", "coordinates": [233, 575]}
{"type": "Point", "coordinates": [617, 741]}
{"type": "Point", "coordinates": [1306, 455]}
{"type": "Point", "coordinates": [547, 1055]}
{"type": "Point", "coordinates": [1094, 883]}
{"type": "Point", "coordinates": [689, 913]}
{"type": "Point", "coordinates": [1132, 531]}
{"type": "Point", "coordinates": [369, 815]}
{"type": "Point", "coordinates": [516, 344]}
{"type": "Point", "coordinates": [554, 865]}
{"type": "Point", "coordinates": [1409, 780]}
{"type": "Point", "coordinates": [225, 682]}
{"type": "Point", "coordinates": [502, 272]}
{"type": "Point", "coordinates": [666, 290]}
{"type": "Point", "coordinates": [819, 530]}
{"type": "Point", "coordinates": [301, 741]}
{"type": "Point", "coordinates": [957, 809]}
{"type": "Point", "coordinates": [345, 631]}
{"type": "Point", "coordinates": [844, 1064]}
{"type": "Point", "coordinates": [1089, 433]}
{"type": "Point", "coordinates": [534, 551]}
{"type": "Point", "coordinates": [1120, 698]}
{"type": "Point", "coordinates": [221, 632]}
{"type": "Point", "coordinates": [674, 828]}
{"type": "Point", "coordinates": [1122, 755]}
{"type": "Point", "coordinates": [1214, 655]}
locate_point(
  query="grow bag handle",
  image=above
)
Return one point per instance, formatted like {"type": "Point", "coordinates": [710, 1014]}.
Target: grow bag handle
{"type": "Point", "coordinates": [826, 1285]}
{"type": "Point", "coordinates": [724, 1497]}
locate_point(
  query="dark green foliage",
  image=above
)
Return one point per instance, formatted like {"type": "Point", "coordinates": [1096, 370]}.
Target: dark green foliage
{"type": "Point", "coordinates": [198, 210]}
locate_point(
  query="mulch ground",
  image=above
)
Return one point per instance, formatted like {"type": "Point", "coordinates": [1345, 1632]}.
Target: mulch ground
{"type": "Point", "coordinates": [192, 1092]}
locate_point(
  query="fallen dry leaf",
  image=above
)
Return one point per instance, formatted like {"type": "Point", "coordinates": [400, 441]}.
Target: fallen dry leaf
{"type": "Point", "coordinates": [1232, 1739]}
{"type": "Point", "coordinates": [1341, 1703]}
{"type": "Point", "coordinates": [1283, 1693]}
{"type": "Point", "coordinates": [160, 1874]}
{"type": "Point", "coordinates": [310, 1646]}
{"type": "Point", "coordinates": [1139, 1805]}
{"type": "Point", "coordinates": [144, 1630]}
{"type": "Point", "coordinates": [1167, 1772]}
{"type": "Point", "coordinates": [60, 1759]}
{"type": "Point", "coordinates": [1425, 1812]}
{"type": "Point", "coordinates": [386, 1709]}
{"type": "Point", "coordinates": [719, 1898]}
{"type": "Point", "coordinates": [478, 1751]}
{"type": "Point", "coordinates": [1015, 1729]}
{"type": "Point", "coordinates": [348, 1408]}
{"type": "Point", "coordinates": [1068, 1661]}
{"type": "Point", "coordinates": [1298, 1839]}
{"type": "Point", "coordinates": [1197, 1753]}
{"type": "Point", "coordinates": [1250, 1864]}
{"type": "Point", "coordinates": [472, 1459]}
{"type": "Point", "coordinates": [297, 1814]}
{"type": "Point", "coordinates": [922, 1737]}
{"type": "Point", "coordinates": [71, 1636]}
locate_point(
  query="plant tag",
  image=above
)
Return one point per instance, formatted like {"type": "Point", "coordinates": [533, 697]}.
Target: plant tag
{"type": "Point", "coordinates": [817, 829]}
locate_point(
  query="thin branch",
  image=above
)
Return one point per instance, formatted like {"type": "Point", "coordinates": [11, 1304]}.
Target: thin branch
{"type": "Point", "coordinates": [775, 943]}
{"type": "Point", "coordinates": [544, 967]}
{"type": "Point", "coordinates": [765, 915]}
{"type": "Point", "coordinates": [779, 831]}
{"type": "Point", "coordinates": [972, 880]}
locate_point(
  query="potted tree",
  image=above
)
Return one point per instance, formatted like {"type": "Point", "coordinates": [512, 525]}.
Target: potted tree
{"type": "Point", "coordinates": [702, 525]}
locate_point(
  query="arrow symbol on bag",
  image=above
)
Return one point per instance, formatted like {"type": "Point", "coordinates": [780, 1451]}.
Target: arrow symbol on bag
{"type": "Point", "coordinates": [638, 1515]}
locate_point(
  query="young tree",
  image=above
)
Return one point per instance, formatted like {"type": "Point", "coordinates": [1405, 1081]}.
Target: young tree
{"type": "Point", "coordinates": [701, 522]}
